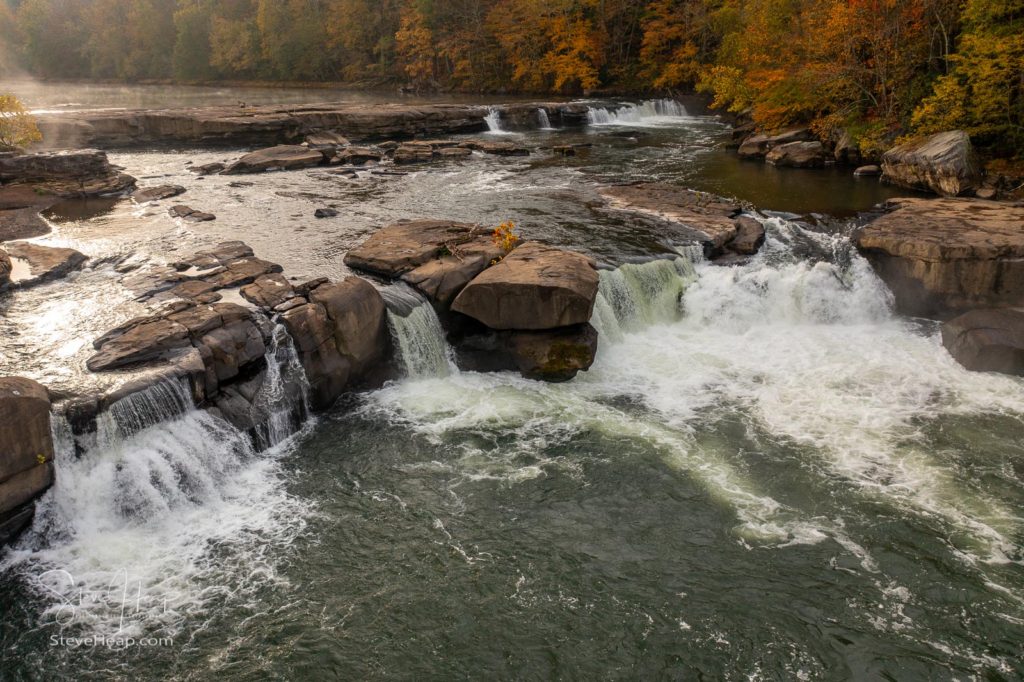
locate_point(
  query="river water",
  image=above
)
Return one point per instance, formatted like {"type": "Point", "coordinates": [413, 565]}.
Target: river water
{"type": "Point", "coordinates": [766, 474]}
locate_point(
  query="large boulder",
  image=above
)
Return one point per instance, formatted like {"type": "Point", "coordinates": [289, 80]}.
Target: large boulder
{"type": "Point", "coordinates": [39, 180]}
{"type": "Point", "coordinates": [556, 355]}
{"type": "Point", "coordinates": [758, 146]}
{"type": "Point", "coordinates": [945, 256]}
{"type": "Point", "coordinates": [944, 164]}
{"type": "Point", "coordinates": [26, 451]}
{"type": "Point", "coordinates": [987, 340]}
{"type": "Point", "coordinates": [534, 287]}
{"type": "Point", "coordinates": [282, 157]}
{"type": "Point", "coordinates": [798, 155]}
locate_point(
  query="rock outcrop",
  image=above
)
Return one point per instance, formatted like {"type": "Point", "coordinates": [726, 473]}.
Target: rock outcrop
{"type": "Point", "coordinates": [44, 263]}
{"type": "Point", "coordinates": [798, 155]}
{"type": "Point", "coordinates": [281, 157]}
{"type": "Point", "coordinates": [190, 214]}
{"type": "Point", "coordinates": [944, 164]}
{"type": "Point", "coordinates": [987, 340]}
{"type": "Point", "coordinates": [157, 193]}
{"type": "Point", "coordinates": [536, 287]}
{"type": "Point", "coordinates": [26, 452]}
{"type": "Point", "coordinates": [758, 146]}
{"type": "Point", "coordinates": [945, 256]}
{"type": "Point", "coordinates": [711, 221]}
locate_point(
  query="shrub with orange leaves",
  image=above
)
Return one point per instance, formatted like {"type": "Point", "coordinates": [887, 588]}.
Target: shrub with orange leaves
{"type": "Point", "coordinates": [504, 236]}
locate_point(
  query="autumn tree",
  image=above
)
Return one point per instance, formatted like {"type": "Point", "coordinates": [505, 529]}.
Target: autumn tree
{"type": "Point", "coordinates": [17, 126]}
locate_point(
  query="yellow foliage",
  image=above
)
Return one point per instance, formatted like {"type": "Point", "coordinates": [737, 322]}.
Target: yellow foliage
{"type": "Point", "coordinates": [504, 236]}
{"type": "Point", "coordinates": [17, 127]}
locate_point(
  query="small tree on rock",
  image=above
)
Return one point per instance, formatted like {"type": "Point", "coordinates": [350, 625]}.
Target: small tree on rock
{"type": "Point", "coordinates": [17, 127]}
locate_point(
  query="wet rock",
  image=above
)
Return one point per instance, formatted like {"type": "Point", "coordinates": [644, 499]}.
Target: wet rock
{"type": "Point", "coordinates": [496, 148]}
{"type": "Point", "coordinates": [232, 346]}
{"type": "Point", "coordinates": [45, 263]}
{"type": "Point", "coordinates": [26, 451]}
{"type": "Point", "coordinates": [987, 193]}
{"type": "Point", "coordinates": [413, 153]}
{"type": "Point", "coordinates": [22, 223]}
{"type": "Point", "coordinates": [242, 271]}
{"type": "Point", "coordinates": [326, 139]}
{"type": "Point", "coordinates": [534, 287]}
{"type": "Point", "coordinates": [454, 153]}
{"type": "Point", "coordinates": [403, 246]}
{"type": "Point", "coordinates": [208, 169]}
{"type": "Point", "coordinates": [943, 256]}
{"type": "Point", "coordinates": [757, 146]}
{"type": "Point", "coordinates": [798, 155]}
{"type": "Point", "coordinates": [944, 163]}
{"type": "Point", "coordinates": [564, 150]}
{"type": "Point", "coordinates": [284, 157]}
{"type": "Point", "coordinates": [5, 269]}
{"type": "Point", "coordinates": [987, 340]}
{"type": "Point", "coordinates": [326, 370]}
{"type": "Point", "coordinates": [704, 218]}
{"type": "Point", "coordinates": [359, 317]}
{"type": "Point", "coordinates": [139, 341]}
{"type": "Point", "coordinates": [868, 171]}
{"type": "Point", "coordinates": [749, 236]}
{"type": "Point", "coordinates": [268, 291]}
{"type": "Point", "coordinates": [157, 193]}
{"type": "Point", "coordinates": [325, 213]}
{"type": "Point", "coordinates": [556, 355]}
{"type": "Point", "coordinates": [357, 156]}
{"type": "Point", "coordinates": [190, 214]}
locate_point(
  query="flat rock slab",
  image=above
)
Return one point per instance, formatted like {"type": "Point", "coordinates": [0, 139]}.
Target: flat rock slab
{"type": "Point", "coordinates": [403, 246]}
{"type": "Point", "coordinates": [281, 157]}
{"type": "Point", "coordinates": [987, 340]}
{"type": "Point", "coordinates": [44, 263]}
{"type": "Point", "coordinates": [942, 256]}
{"type": "Point", "coordinates": [534, 287]}
{"type": "Point", "coordinates": [157, 193]}
{"type": "Point", "coordinates": [707, 219]}
{"type": "Point", "coordinates": [190, 214]}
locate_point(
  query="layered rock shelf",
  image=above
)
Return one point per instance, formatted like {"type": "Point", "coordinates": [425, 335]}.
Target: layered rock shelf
{"type": "Point", "coordinates": [284, 124]}
{"type": "Point", "coordinates": [941, 257]}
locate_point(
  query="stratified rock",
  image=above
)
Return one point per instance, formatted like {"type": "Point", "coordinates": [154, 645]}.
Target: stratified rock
{"type": "Point", "coordinates": [868, 171]}
{"type": "Point", "coordinates": [757, 146]}
{"type": "Point", "coordinates": [987, 340]}
{"type": "Point", "coordinates": [268, 291]}
{"type": "Point", "coordinates": [208, 168]}
{"type": "Point", "coordinates": [140, 341]}
{"type": "Point", "coordinates": [454, 153]}
{"type": "Point", "coordinates": [398, 248]}
{"type": "Point", "coordinates": [357, 156]}
{"type": "Point", "coordinates": [534, 287]}
{"type": "Point", "coordinates": [555, 355]}
{"type": "Point", "coordinates": [798, 155]}
{"type": "Point", "coordinates": [45, 262]}
{"type": "Point", "coordinates": [496, 148]}
{"type": "Point", "coordinates": [704, 218]}
{"type": "Point", "coordinates": [414, 152]}
{"type": "Point", "coordinates": [283, 157]}
{"type": "Point", "coordinates": [326, 139]}
{"type": "Point", "coordinates": [157, 193]}
{"type": "Point", "coordinates": [326, 370]}
{"type": "Point", "coordinates": [944, 163]}
{"type": "Point", "coordinates": [943, 256]}
{"type": "Point", "coordinates": [26, 451]}
{"type": "Point", "coordinates": [190, 214]}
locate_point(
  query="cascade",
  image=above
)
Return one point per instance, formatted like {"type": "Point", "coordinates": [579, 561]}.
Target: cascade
{"type": "Point", "coordinates": [650, 112]}
{"type": "Point", "coordinates": [545, 122]}
{"type": "Point", "coordinates": [419, 337]}
{"type": "Point", "coordinates": [635, 296]}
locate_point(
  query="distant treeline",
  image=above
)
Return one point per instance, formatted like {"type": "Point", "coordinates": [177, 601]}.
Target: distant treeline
{"type": "Point", "coordinates": [876, 68]}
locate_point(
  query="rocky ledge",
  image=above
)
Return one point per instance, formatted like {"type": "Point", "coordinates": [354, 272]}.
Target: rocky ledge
{"type": "Point", "coordinates": [715, 223]}
{"type": "Point", "coordinates": [527, 310]}
{"type": "Point", "coordinates": [24, 264]}
{"type": "Point", "coordinates": [942, 257]}
{"type": "Point", "coordinates": [281, 124]}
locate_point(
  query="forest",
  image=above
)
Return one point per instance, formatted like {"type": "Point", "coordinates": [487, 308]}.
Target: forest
{"type": "Point", "coordinates": [877, 69]}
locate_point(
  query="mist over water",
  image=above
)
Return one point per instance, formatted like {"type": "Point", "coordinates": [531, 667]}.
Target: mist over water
{"type": "Point", "coordinates": [767, 474]}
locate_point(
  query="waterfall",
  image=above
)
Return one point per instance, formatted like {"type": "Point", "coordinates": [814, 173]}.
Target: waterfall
{"type": "Point", "coordinates": [164, 400]}
{"type": "Point", "coordinates": [493, 119]}
{"type": "Point", "coordinates": [545, 122]}
{"type": "Point", "coordinates": [418, 334]}
{"type": "Point", "coordinates": [649, 113]}
{"type": "Point", "coordinates": [635, 296]}
{"type": "Point", "coordinates": [282, 401]}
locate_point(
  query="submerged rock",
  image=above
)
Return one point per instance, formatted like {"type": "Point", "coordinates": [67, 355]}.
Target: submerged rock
{"type": "Point", "coordinates": [987, 340]}
{"type": "Point", "coordinates": [325, 213]}
{"type": "Point", "coordinates": [554, 355]}
{"type": "Point", "coordinates": [207, 168]}
{"type": "Point", "coordinates": [943, 256]}
{"type": "Point", "coordinates": [282, 157]}
{"type": "Point", "coordinates": [26, 452]}
{"type": "Point", "coordinates": [534, 287]}
{"type": "Point", "coordinates": [944, 163]}
{"type": "Point", "coordinates": [190, 214]}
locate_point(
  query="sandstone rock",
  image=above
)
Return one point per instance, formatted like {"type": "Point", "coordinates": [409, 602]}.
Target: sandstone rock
{"type": "Point", "coordinates": [326, 370]}
{"type": "Point", "coordinates": [987, 340]}
{"type": "Point", "coordinates": [749, 236]}
{"type": "Point", "coordinates": [157, 193]}
{"type": "Point", "coordinates": [357, 156]}
{"type": "Point", "coordinates": [534, 287]}
{"type": "Point", "coordinates": [25, 440]}
{"type": "Point", "coordinates": [5, 269]}
{"type": "Point", "coordinates": [242, 271]}
{"type": "Point", "coordinates": [232, 346]}
{"type": "Point", "coordinates": [703, 217]}
{"type": "Point", "coordinates": [944, 163]}
{"type": "Point", "coordinates": [442, 278]}
{"type": "Point", "coordinates": [556, 355]}
{"type": "Point", "coordinates": [797, 155]}
{"type": "Point", "coordinates": [455, 153]}
{"type": "Point", "coordinates": [413, 153]}
{"type": "Point", "coordinates": [326, 139]}
{"type": "Point", "coordinates": [987, 193]}
{"type": "Point", "coordinates": [268, 291]}
{"type": "Point", "coordinates": [144, 341]}
{"type": "Point", "coordinates": [943, 256]}
{"type": "Point", "coordinates": [496, 148]}
{"type": "Point", "coordinates": [190, 214]}
{"type": "Point", "coordinates": [37, 180]}
{"type": "Point", "coordinates": [359, 318]}
{"type": "Point", "coordinates": [45, 263]}
{"type": "Point", "coordinates": [403, 246]}
{"type": "Point", "coordinates": [207, 168]}
{"type": "Point", "coordinates": [285, 157]}
{"type": "Point", "coordinates": [757, 146]}
{"type": "Point", "coordinates": [868, 171]}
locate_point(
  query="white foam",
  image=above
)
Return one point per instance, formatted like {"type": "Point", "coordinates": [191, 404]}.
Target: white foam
{"type": "Point", "coordinates": [650, 113]}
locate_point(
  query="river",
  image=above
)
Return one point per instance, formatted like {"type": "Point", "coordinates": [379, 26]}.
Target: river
{"type": "Point", "coordinates": [767, 474]}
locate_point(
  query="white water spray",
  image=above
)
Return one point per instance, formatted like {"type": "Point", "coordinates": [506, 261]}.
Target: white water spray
{"type": "Point", "coordinates": [418, 334]}
{"type": "Point", "coordinates": [655, 112]}
{"type": "Point", "coordinates": [542, 117]}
